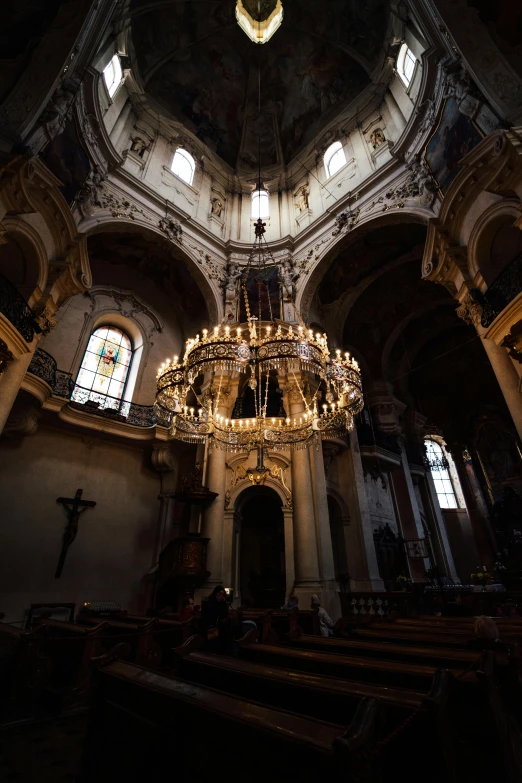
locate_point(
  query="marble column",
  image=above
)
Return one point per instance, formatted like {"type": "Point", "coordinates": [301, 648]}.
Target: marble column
{"type": "Point", "coordinates": [476, 506]}
{"type": "Point", "coordinates": [508, 380]}
{"type": "Point", "coordinates": [307, 573]}
{"type": "Point", "coordinates": [11, 381]}
{"type": "Point", "coordinates": [362, 558]}
{"type": "Point", "coordinates": [323, 533]}
{"type": "Point", "coordinates": [216, 479]}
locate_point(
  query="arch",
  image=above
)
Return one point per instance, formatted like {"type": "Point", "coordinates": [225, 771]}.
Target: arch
{"type": "Point", "coordinates": [246, 484]}
{"type": "Point", "coordinates": [260, 544]}
{"type": "Point", "coordinates": [342, 241]}
{"type": "Point", "coordinates": [483, 236]}
{"type": "Point", "coordinates": [190, 256]}
{"type": "Point", "coordinates": [34, 251]}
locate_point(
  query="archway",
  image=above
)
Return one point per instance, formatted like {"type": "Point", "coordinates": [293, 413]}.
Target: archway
{"type": "Point", "coordinates": [261, 556]}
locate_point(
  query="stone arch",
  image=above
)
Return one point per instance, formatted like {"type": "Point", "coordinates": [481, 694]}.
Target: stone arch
{"type": "Point", "coordinates": [485, 233]}
{"type": "Point", "coordinates": [342, 241]}
{"type": "Point", "coordinates": [246, 484]}
{"type": "Point", "coordinates": [36, 264]}
{"type": "Point", "coordinates": [191, 258]}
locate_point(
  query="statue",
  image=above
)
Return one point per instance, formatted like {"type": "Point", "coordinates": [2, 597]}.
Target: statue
{"type": "Point", "coordinates": [377, 138]}
{"type": "Point", "coordinates": [52, 120]}
{"type": "Point", "coordinates": [139, 146]}
{"type": "Point", "coordinates": [288, 276]}
{"type": "Point", "coordinates": [422, 181]}
{"type": "Point", "coordinates": [171, 228]}
{"type": "Point", "coordinates": [233, 273]}
{"type": "Point", "coordinates": [216, 206]}
{"type": "Point", "coordinates": [301, 198]}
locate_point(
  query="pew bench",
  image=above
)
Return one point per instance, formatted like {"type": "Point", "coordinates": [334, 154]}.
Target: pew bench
{"type": "Point", "coordinates": [414, 638]}
{"type": "Point", "coordinates": [382, 672]}
{"type": "Point", "coordinates": [429, 656]}
{"type": "Point", "coordinates": [24, 671]}
{"type": "Point", "coordinates": [144, 649]}
{"type": "Point", "coordinates": [144, 723]}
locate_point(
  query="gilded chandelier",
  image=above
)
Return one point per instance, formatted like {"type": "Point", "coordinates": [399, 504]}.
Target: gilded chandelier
{"type": "Point", "coordinates": [191, 391]}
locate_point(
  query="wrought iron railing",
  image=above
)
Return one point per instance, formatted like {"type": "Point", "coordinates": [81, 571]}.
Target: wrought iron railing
{"type": "Point", "coordinates": [43, 365]}
{"type": "Point", "coordinates": [373, 436]}
{"type": "Point", "coordinates": [16, 309]}
{"type": "Point", "coordinates": [501, 292]}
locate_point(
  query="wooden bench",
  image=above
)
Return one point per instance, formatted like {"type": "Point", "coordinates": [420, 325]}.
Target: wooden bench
{"type": "Point", "coordinates": [24, 671]}
{"type": "Point", "coordinates": [390, 673]}
{"type": "Point", "coordinates": [70, 648]}
{"type": "Point", "coordinates": [414, 638]}
{"type": "Point", "coordinates": [144, 723]}
{"type": "Point", "coordinates": [166, 632]}
{"type": "Point", "coordinates": [449, 659]}
{"type": "Point", "coordinates": [144, 649]}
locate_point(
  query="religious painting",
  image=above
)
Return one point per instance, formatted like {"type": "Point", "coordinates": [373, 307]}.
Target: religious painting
{"type": "Point", "coordinates": [104, 368]}
{"type": "Point", "coordinates": [455, 136]}
{"type": "Point", "coordinates": [68, 160]}
{"type": "Point", "coordinates": [264, 297]}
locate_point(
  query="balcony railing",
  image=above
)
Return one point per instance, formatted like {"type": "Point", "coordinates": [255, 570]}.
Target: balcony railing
{"type": "Point", "coordinates": [43, 365]}
{"type": "Point", "coordinates": [501, 292]}
{"type": "Point", "coordinates": [16, 309]}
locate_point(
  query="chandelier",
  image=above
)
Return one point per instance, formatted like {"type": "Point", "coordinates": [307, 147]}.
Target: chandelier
{"type": "Point", "coordinates": [264, 352]}
{"type": "Point", "coordinates": [190, 391]}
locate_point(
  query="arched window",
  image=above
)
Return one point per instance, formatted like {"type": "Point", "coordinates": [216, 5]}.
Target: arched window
{"type": "Point", "coordinates": [334, 158]}
{"type": "Point", "coordinates": [440, 470]}
{"type": "Point", "coordinates": [113, 75]}
{"type": "Point", "coordinates": [183, 165]}
{"type": "Point", "coordinates": [104, 369]}
{"type": "Point", "coordinates": [406, 62]}
{"type": "Point", "coordinates": [260, 204]}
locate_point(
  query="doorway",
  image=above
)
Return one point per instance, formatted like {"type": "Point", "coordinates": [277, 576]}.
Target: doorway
{"type": "Point", "coordinates": [262, 568]}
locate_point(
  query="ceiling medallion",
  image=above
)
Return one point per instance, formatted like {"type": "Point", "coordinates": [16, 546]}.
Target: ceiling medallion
{"type": "Point", "coordinates": [259, 19]}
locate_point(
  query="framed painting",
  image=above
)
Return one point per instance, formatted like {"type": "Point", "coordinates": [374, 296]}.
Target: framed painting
{"type": "Point", "coordinates": [264, 295]}
{"type": "Point", "coordinates": [453, 138]}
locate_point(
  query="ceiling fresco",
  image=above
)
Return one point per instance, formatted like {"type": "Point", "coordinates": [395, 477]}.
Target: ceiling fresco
{"type": "Point", "coordinates": [200, 69]}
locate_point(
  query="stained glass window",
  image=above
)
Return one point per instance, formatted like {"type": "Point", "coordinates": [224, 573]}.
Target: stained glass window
{"type": "Point", "coordinates": [441, 476]}
{"type": "Point", "coordinates": [104, 369]}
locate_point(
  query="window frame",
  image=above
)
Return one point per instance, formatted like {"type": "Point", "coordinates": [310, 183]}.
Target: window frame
{"type": "Point", "coordinates": [442, 474]}
{"type": "Point", "coordinates": [406, 53]}
{"type": "Point", "coordinates": [116, 83]}
{"type": "Point", "coordinates": [260, 195]}
{"type": "Point", "coordinates": [132, 350]}
{"type": "Point", "coordinates": [188, 158]}
{"type": "Point", "coordinates": [330, 155]}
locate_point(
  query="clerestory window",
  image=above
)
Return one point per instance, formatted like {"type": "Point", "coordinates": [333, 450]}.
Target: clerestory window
{"type": "Point", "coordinates": [183, 165]}
{"type": "Point", "coordinates": [406, 62]}
{"type": "Point", "coordinates": [113, 75]}
{"type": "Point", "coordinates": [334, 158]}
{"type": "Point", "coordinates": [439, 467]}
{"type": "Point", "coordinates": [260, 204]}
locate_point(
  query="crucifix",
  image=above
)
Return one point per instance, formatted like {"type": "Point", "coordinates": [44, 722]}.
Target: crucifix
{"type": "Point", "coordinates": [73, 510]}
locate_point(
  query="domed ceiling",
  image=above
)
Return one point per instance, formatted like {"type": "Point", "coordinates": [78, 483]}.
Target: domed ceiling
{"type": "Point", "coordinates": [199, 68]}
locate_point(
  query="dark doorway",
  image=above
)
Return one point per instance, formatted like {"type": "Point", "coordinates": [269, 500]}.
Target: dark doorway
{"type": "Point", "coordinates": [262, 549]}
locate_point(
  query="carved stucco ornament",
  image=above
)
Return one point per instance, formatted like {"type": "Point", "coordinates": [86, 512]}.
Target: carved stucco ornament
{"type": "Point", "coordinates": [470, 311]}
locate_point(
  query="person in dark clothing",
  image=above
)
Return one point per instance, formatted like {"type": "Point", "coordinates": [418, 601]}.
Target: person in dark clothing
{"type": "Point", "coordinates": [215, 620]}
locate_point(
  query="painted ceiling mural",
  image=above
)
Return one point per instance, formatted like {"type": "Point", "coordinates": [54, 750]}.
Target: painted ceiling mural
{"type": "Point", "coordinates": [199, 68]}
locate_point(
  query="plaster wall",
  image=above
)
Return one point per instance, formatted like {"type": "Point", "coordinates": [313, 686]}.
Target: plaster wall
{"type": "Point", "coordinates": [116, 539]}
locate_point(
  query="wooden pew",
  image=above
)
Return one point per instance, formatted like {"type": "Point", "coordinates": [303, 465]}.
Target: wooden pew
{"type": "Point", "coordinates": [508, 728]}
{"type": "Point", "coordinates": [70, 648]}
{"type": "Point", "coordinates": [429, 656]}
{"type": "Point", "coordinates": [308, 620]}
{"type": "Point", "coordinates": [263, 620]}
{"type": "Point", "coordinates": [167, 633]}
{"type": "Point", "coordinates": [144, 723]}
{"type": "Point", "coordinates": [24, 671]}
{"type": "Point", "coordinates": [389, 673]}
{"type": "Point", "coordinates": [414, 638]}
{"type": "Point", "coordinates": [283, 623]}
{"type": "Point", "coordinates": [143, 647]}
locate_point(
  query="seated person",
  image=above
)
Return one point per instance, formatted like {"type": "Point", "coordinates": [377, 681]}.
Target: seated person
{"type": "Point", "coordinates": [325, 621]}
{"type": "Point", "coordinates": [292, 603]}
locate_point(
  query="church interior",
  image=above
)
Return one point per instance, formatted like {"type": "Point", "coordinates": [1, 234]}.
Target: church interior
{"type": "Point", "coordinates": [261, 390]}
